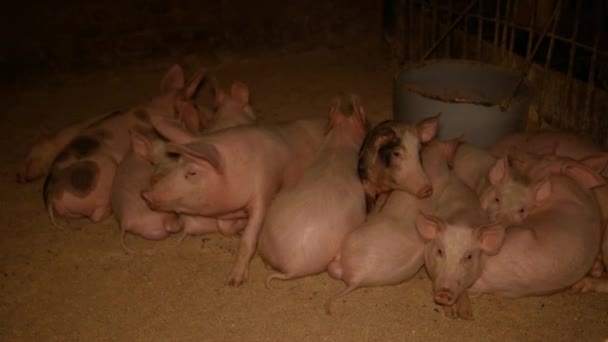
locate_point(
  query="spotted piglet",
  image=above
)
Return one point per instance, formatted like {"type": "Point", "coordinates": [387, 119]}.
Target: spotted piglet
{"type": "Point", "coordinates": [81, 175]}
{"type": "Point", "coordinates": [389, 159]}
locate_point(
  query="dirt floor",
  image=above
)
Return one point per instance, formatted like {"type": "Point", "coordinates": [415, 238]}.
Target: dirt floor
{"type": "Point", "coordinates": [77, 284]}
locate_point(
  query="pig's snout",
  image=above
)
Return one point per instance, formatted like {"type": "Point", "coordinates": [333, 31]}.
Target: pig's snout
{"type": "Point", "coordinates": [444, 297]}
{"type": "Point", "coordinates": [425, 191]}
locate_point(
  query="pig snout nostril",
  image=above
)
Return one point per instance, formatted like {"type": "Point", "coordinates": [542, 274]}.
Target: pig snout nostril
{"type": "Point", "coordinates": [444, 297]}
{"type": "Point", "coordinates": [425, 191]}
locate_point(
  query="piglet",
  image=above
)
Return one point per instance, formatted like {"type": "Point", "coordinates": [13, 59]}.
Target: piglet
{"type": "Point", "coordinates": [306, 224]}
{"type": "Point", "coordinates": [149, 158]}
{"type": "Point", "coordinates": [384, 250]}
{"type": "Point", "coordinates": [234, 170]}
{"type": "Point", "coordinates": [456, 233]}
{"type": "Point", "coordinates": [389, 159]}
{"type": "Point", "coordinates": [550, 142]}
{"type": "Point", "coordinates": [131, 211]}
{"type": "Point", "coordinates": [557, 243]}
{"type": "Point", "coordinates": [79, 184]}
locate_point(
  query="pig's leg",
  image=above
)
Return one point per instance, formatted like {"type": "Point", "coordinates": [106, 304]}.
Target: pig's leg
{"type": "Point", "coordinates": [588, 284]}
{"type": "Point", "coordinates": [350, 288]}
{"type": "Point", "coordinates": [247, 245]}
{"type": "Point", "coordinates": [462, 308]}
{"type": "Point", "coordinates": [123, 233]}
{"type": "Point", "coordinates": [598, 267]}
{"type": "Point", "coordinates": [231, 227]}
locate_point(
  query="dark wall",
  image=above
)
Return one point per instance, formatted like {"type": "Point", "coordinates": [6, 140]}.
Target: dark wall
{"type": "Point", "coordinates": [73, 34]}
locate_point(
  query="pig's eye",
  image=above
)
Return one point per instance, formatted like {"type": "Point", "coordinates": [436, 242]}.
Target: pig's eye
{"type": "Point", "coordinates": [439, 252]}
{"type": "Point", "coordinates": [468, 257]}
{"type": "Point", "coordinates": [396, 153]}
{"type": "Point", "coordinates": [497, 200]}
{"type": "Point", "coordinates": [191, 174]}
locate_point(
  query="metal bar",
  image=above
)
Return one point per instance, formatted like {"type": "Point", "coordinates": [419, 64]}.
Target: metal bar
{"type": "Point", "coordinates": [449, 23]}
{"type": "Point", "coordinates": [411, 29]}
{"type": "Point", "coordinates": [569, 95]}
{"type": "Point", "coordinates": [505, 30]}
{"type": "Point", "coordinates": [531, 27]}
{"type": "Point", "coordinates": [511, 22]}
{"type": "Point", "coordinates": [452, 26]}
{"type": "Point", "coordinates": [594, 121]}
{"type": "Point", "coordinates": [435, 25]}
{"type": "Point", "coordinates": [558, 7]}
{"type": "Point", "coordinates": [528, 61]}
{"type": "Point", "coordinates": [479, 30]}
{"type": "Point", "coordinates": [421, 29]}
{"type": "Point", "coordinates": [465, 43]}
{"type": "Point", "coordinates": [496, 28]}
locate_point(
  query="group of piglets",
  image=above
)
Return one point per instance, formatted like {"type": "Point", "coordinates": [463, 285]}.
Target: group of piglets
{"type": "Point", "coordinates": [370, 206]}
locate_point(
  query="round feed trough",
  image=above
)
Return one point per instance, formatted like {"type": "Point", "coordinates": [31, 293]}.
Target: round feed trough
{"type": "Point", "coordinates": [475, 99]}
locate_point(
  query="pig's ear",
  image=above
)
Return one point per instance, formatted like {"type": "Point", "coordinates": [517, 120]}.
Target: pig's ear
{"type": "Point", "coordinates": [500, 171]}
{"type": "Point", "coordinates": [487, 197]}
{"type": "Point", "coordinates": [200, 152]}
{"type": "Point", "coordinates": [428, 226]}
{"type": "Point", "coordinates": [582, 174]}
{"type": "Point", "coordinates": [194, 83]}
{"type": "Point", "coordinates": [598, 162]}
{"type": "Point", "coordinates": [335, 114]}
{"type": "Point", "coordinates": [218, 93]}
{"type": "Point", "coordinates": [240, 93]}
{"type": "Point", "coordinates": [542, 189]}
{"type": "Point", "coordinates": [491, 237]}
{"type": "Point", "coordinates": [171, 130]}
{"type": "Point", "coordinates": [450, 148]}
{"type": "Point", "coordinates": [140, 145]}
{"type": "Point", "coordinates": [173, 79]}
{"type": "Point", "coordinates": [427, 128]}
{"type": "Point", "coordinates": [190, 116]}
{"type": "Point", "coordinates": [359, 113]}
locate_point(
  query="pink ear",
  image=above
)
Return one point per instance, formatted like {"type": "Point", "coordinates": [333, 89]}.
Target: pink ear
{"type": "Point", "coordinates": [335, 114]}
{"type": "Point", "coordinates": [583, 174]}
{"type": "Point", "coordinates": [200, 152]}
{"type": "Point", "coordinates": [427, 128]}
{"type": "Point", "coordinates": [140, 145]}
{"type": "Point", "coordinates": [171, 130]}
{"type": "Point", "coordinates": [240, 93]}
{"type": "Point", "coordinates": [173, 79]}
{"type": "Point", "coordinates": [359, 113]}
{"type": "Point", "coordinates": [491, 237]}
{"type": "Point", "coordinates": [500, 171]}
{"type": "Point", "coordinates": [428, 226]}
{"type": "Point", "coordinates": [220, 96]}
{"type": "Point", "coordinates": [189, 115]}
{"type": "Point", "coordinates": [450, 149]}
{"type": "Point", "coordinates": [197, 78]}
{"type": "Point", "coordinates": [542, 189]}
{"type": "Point", "coordinates": [597, 162]}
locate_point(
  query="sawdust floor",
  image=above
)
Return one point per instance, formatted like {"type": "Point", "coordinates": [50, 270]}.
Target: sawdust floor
{"type": "Point", "coordinates": [77, 284]}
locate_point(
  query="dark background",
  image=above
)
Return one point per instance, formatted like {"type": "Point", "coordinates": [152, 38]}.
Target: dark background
{"type": "Point", "coordinates": [71, 35]}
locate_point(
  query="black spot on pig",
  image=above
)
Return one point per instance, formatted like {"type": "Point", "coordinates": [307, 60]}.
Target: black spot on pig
{"type": "Point", "coordinates": [83, 146]}
{"type": "Point", "coordinates": [82, 177]}
{"type": "Point", "coordinates": [142, 115]}
{"type": "Point", "coordinates": [385, 152]}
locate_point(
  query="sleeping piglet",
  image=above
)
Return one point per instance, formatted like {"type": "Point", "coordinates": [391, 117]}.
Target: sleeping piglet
{"type": "Point", "coordinates": [149, 158]}
{"type": "Point", "coordinates": [233, 170]}
{"type": "Point", "coordinates": [81, 176]}
{"type": "Point", "coordinates": [389, 159]}
{"type": "Point", "coordinates": [305, 225]}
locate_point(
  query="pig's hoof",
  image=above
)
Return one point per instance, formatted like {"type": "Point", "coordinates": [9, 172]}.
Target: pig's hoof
{"type": "Point", "coordinates": [584, 285]}
{"type": "Point", "coordinates": [237, 278]}
{"type": "Point", "coordinates": [449, 311]}
{"type": "Point", "coordinates": [465, 314]}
